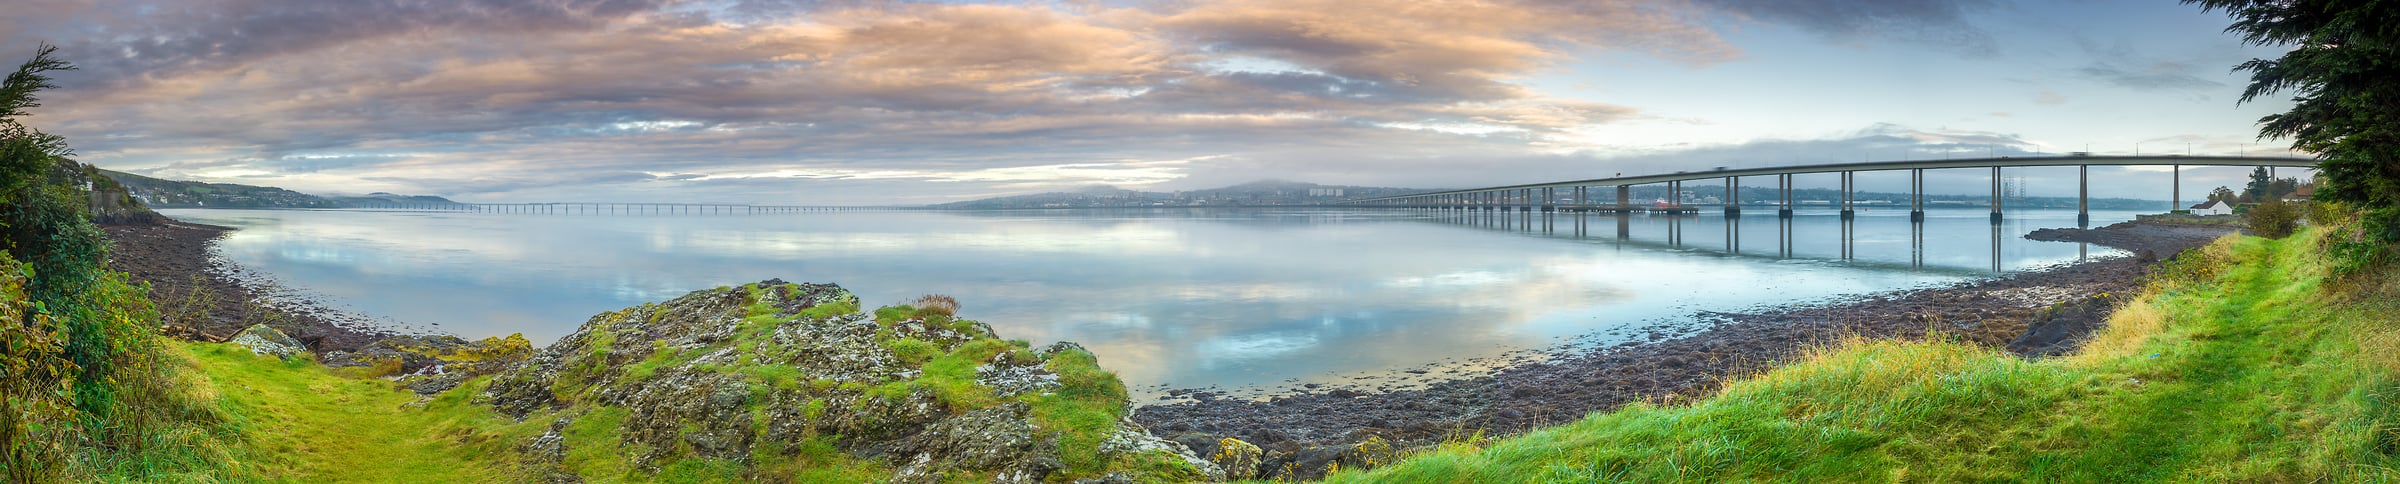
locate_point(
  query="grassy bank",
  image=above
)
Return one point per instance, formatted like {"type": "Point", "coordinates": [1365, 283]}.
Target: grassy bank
{"type": "Point", "coordinates": [302, 423]}
{"type": "Point", "coordinates": [2249, 362]}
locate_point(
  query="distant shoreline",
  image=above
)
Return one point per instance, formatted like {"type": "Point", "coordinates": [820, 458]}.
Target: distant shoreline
{"type": "Point", "coordinates": [177, 259]}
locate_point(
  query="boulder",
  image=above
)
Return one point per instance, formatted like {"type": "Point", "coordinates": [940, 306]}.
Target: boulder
{"type": "Point", "coordinates": [263, 340]}
{"type": "Point", "coordinates": [1239, 459]}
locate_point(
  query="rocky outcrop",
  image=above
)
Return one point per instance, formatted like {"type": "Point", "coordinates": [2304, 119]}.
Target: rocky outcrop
{"type": "Point", "coordinates": [780, 382]}
{"type": "Point", "coordinates": [262, 340]}
{"type": "Point", "coordinates": [2062, 327]}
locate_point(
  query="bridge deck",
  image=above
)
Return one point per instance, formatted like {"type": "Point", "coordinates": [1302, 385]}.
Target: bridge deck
{"type": "Point", "coordinates": [2000, 162]}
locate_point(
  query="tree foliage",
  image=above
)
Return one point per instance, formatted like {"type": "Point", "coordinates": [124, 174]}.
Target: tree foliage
{"type": "Point", "coordinates": [24, 152]}
{"type": "Point", "coordinates": [83, 390]}
{"type": "Point", "coordinates": [2344, 71]}
{"type": "Point", "coordinates": [2260, 184]}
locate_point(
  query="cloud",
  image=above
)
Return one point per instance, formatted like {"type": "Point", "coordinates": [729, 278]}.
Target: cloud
{"type": "Point", "coordinates": [1941, 23]}
{"type": "Point", "coordinates": [2162, 75]}
{"type": "Point", "coordinates": [2123, 65]}
{"type": "Point", "coordinates": [2049, 98]}
{"type": "Point", "coordinates": [493, 98]}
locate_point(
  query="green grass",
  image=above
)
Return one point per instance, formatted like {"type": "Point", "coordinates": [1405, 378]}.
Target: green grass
{"type": "Point", "coordinates": [2247, 364]}
{"type": "Point", "coordinates": [303, 424]}
{"type": "Point", "coordinates": [1084, 407]}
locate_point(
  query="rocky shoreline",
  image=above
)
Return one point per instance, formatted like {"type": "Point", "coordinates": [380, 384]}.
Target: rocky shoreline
{"type": "Point", "coordinates": [2033, 313]}
{"type": "Point", "coordinates": [205, 300]}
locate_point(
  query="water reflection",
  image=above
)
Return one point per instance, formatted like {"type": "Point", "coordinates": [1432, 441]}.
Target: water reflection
{"type": "Point", "coordinates": [1181, 297]}
{"type": "Point", "coordinates": [1993, 248]}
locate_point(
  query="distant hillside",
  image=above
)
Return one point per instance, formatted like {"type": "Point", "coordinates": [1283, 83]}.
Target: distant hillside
{"type": "Point", "coordinates": [1259, 193]}
{"type": "Point", "coordinates": [158, 193]}
{"type": "Point", "coordinates": [381, 199]}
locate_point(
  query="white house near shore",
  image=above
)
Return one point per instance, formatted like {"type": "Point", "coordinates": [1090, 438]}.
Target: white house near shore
{"type": "Point", "coordinates": [2218, 207]}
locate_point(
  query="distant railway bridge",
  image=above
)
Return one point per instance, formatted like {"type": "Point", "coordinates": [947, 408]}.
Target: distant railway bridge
{"type": "Point", "coordinates": [1575, 195]}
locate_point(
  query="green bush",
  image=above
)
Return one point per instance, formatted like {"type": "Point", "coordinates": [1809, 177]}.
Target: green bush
{"type": "Point", "coordinates": [2273, 219]}
{"type": "Point", "coordinates": [2325, 214]}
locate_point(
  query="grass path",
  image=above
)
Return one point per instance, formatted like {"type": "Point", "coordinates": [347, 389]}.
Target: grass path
{"type": "Point", "coordinates": [307, 425]}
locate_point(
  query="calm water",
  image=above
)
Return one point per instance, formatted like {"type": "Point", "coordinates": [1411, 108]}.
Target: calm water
{"type": "Point", "coordinates": [1183, 298]}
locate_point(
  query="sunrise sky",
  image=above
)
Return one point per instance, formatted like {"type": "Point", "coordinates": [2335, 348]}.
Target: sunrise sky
{"type": "Point", "coordinates": [835, 102]}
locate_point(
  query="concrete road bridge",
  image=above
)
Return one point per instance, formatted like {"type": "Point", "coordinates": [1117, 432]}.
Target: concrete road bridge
{"type": "Point", "coordinates": [1575, 195]}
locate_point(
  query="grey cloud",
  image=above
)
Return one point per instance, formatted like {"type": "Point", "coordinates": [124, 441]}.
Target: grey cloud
{"type": "Point", "coordinates": [1941, 23]}
{"type": "Point", "coordinates": [118, 39]}
{"type": "Point", "coordinates": [450, 97]}
{"type": "Point", "coordinates": [2122, 65]}
{"type": "Point", "coordinates": [2158, 76]}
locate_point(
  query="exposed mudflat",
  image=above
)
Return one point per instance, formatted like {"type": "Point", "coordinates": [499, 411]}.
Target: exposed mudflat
{"type": "Point", "coordinates": [1678, 363]}
{"type": "Point", "coordinates": [185, 276]}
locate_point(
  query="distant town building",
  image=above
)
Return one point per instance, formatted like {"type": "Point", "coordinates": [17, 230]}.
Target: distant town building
{"type": "Point", "coordinates": [2216, 207]}
{"type": "Point", "coordinates": [1324, 192]}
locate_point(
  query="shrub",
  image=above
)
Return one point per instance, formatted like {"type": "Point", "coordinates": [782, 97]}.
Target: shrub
{"type": "Point", "coordinates": [936, 303]}
{"type": "Point", "coordinates": [2273, 219]}
{"type": "Point", "coordinates": [32, 383]}
{"type": "Point", "coordinates": [2326, 214]}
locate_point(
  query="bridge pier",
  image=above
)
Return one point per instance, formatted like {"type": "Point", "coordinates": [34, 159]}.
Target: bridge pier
{"type": "Point", "coordinates": [1995, 195]}
{"type": "Point", "coordinates": [1733, 196]}
{"type": "Point", "coordinates": [1916, 195]}
{"type": "Point", "coordinates": [2177, 202]}
{"type": "Point", "coordinates": [2083, 196]}
{"type": "Point", "coordinates": [1847, 208]}
{"type": "Point", "coordinates": [1783, 184]}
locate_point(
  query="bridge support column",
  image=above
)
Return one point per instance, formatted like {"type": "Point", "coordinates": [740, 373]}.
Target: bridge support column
{"type": "Point", "coordinates": [1995, 195]}
{"type": "Point", "coordinates": [1549, 201]}
{"type": "Point", "coordinates": [2177, 202]}
{"type": "Point", "coordinates": [1624, 198]}
{"type": "Point", "coordinates": [1916, 195]}
{"type": "Point", "coordinates": [2083, 196]}
{"type": "Point", "coordinates": [1848, 211]}
{"type": "Point", "coordinates": [1733, 196]}
{"type": "Point", "coordinates": [1783, 185]}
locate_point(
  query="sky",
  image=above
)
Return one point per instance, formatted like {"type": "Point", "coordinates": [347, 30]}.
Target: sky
{"type": "Point", "coordinates": [866, 102]}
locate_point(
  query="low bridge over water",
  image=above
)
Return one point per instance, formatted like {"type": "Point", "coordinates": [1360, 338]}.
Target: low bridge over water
{"type": "Point", "coordinates": [1576, 195]}
{"type": "Point", "coordinates": [602, 208]}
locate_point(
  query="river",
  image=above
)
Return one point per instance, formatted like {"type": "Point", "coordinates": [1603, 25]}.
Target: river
{"type": "Point", "coordinates": [1182, 298]}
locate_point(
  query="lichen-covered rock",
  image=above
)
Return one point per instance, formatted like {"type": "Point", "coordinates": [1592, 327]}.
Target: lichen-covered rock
{"type": "Point", "coordinates": [1238, 458]}
{"type": "Point", "coordinates": [997, 438]}
{"type": "Point", "coordinates": [263, 340]}
{"type": "Point", "coordinates": [777, 381]}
